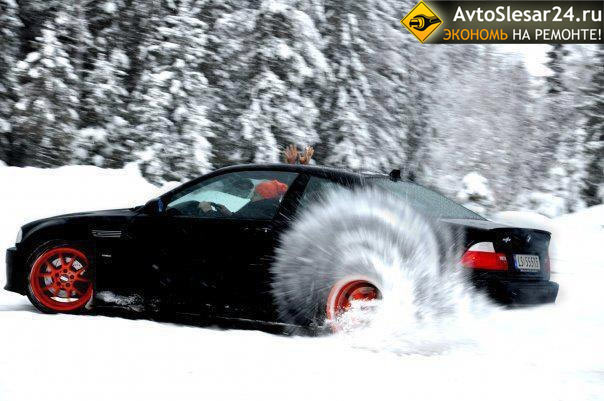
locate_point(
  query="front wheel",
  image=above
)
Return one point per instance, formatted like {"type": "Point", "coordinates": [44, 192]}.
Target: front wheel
{"type": "Point", "coordinates": [58, 280]}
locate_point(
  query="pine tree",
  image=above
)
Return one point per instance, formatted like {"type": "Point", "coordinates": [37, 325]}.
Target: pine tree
{"type": "Point", "coordinates": [563, 142]}
{"type": "Point", "coordinates": [415, 94]}
{"type": "Point", "coordinates": [46, 117]}
{"type": "Point", "coordinates": [479, 107]}
{"type": "Point", "coordinates": [593, 192]}
{"type": "Point", "coordinates": [347, 135]}
{"type": "Point", "coordinates": [390, 60]}
{"type": "Point", "coordinates": [169, 101]}
{"type": "Point", "coordinates": [105, 139]}
{"type": "Point", "coordinates": [9, 85]}
{"type": "Point", "coordinates": [521, 137]}
{"type": "Point", "coordinates": [71, 28]}
{"type": "Point", "coordinates": [373, 101]}
{"type": "Point", "coordinates": [286, 68]}
{"type": "Point", "coordinates": [71, 24]}
{"type": "Point", "coordinates": [555, 62]}
{"type": "Point", "coordinates": [226, 68]}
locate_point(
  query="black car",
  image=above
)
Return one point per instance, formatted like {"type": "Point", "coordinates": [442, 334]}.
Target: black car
{"type": "Point", "coordinates": [205, 247]}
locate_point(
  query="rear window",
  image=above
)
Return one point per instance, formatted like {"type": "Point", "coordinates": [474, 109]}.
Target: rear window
{"type": "Point", "coordinates": [425, 200]}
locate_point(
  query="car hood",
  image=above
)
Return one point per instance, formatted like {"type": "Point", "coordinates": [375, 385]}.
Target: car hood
{"type": "Point", "coordinates": [111, 214]}
{"type": "Point", "coordinates": [100, 213]}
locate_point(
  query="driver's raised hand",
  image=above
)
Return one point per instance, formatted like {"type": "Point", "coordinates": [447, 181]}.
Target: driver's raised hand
{"type": "Point", "coordinates": [307, 155]}
{"type": "Point", "coordinates": [291, 154]}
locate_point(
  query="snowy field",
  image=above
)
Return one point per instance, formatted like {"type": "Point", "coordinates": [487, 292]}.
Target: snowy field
{"type": "Point", "coordinates": [544, 353]}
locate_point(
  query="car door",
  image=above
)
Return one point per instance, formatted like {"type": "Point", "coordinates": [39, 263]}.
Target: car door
{"type": "Point", "coordinates": [200, 245]}
{"type": "Point", "coordinates": [251, 290]}
{"type": "Point", "coordinates": [247, 286]}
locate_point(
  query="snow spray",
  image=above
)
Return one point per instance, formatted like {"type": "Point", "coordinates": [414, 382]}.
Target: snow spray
{"type": "Point", "coordinates": [411, 259]}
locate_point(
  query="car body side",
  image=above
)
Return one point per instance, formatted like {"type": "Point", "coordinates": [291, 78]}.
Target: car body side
{"type": "Point", "coordinates": [141, 255]}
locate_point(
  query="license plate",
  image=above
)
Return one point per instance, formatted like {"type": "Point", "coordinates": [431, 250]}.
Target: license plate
{"type": "Point", "coordinates": [527, 263]}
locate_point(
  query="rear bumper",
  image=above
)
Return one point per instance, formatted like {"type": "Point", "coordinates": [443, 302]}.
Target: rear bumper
{"type": "Point", "coordinates": [15, 279]}
{"type": "Point", "coordinates": [520, 292]}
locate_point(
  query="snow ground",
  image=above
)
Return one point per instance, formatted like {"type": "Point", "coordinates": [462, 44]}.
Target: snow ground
{"type": "Point", "coordinates": [544, 353]}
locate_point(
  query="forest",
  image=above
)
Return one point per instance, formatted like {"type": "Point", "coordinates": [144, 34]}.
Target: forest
{"type": "Point", "coordinates": [181, 87]}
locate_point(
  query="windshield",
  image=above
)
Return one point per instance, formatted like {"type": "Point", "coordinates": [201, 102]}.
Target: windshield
{"type": "Point", "coordinates": [425, 200]}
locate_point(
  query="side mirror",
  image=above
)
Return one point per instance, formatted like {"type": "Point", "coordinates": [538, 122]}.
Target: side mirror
{"type": "Point", "coordinates": [154, 206]}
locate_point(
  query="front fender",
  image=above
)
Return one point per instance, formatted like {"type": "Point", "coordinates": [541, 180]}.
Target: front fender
{"type": "Point", "coordinates": [56, 229]}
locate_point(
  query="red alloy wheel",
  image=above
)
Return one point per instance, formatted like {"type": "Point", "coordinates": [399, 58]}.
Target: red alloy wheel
{"type": "Point", "coordinates": [58, 280]}
{"type": "Point", "coordinates": [347, 291]}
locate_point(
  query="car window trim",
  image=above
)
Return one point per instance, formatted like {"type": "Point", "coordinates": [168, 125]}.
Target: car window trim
{"type": "Point", "coordinates": [291, 199]}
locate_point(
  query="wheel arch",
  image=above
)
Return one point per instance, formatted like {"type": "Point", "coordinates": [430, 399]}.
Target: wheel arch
{"type": "Point", "coordinates": [50, 234]}
{"type": "Point", "coordinates": [60, 229]}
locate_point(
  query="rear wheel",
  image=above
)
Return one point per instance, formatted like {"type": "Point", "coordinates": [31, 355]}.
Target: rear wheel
{"type": "Point", "coordinates": [59, 281]}
{"type": "Point", "coordinates": [344, 293]}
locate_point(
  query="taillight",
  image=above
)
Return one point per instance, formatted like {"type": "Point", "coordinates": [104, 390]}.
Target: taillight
{"type": "Point", "coordinates": [483, 256]}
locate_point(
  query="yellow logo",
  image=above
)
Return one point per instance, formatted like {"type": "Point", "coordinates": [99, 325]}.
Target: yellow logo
{"type": "Point", "coordinates": [421, 21]}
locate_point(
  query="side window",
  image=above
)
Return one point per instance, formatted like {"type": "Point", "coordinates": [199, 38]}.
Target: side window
{"type": "Point", "coordinates": [241, 195]}
{"type": "Point", "coordinates": [315, 189]}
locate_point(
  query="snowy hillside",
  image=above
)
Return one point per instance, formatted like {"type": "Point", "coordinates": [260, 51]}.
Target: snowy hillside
{"type": "Point", "coordinates": [575, 237]}
{"type": "Point", "coordinates": [545, 353]}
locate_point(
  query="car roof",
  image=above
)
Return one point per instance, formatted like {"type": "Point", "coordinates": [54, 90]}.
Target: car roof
{"type": "Point", "coordinates": [321, 171]}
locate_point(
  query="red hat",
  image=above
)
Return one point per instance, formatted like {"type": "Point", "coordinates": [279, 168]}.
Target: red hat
{"type": "Point", "coordinates": [270, 189]}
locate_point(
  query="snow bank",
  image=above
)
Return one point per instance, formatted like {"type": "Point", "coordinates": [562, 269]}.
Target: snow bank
{"type": "Point", "coordinates": [592, 217]}
{"type": "Point", "coordinates": [576, 237]}
{"type": "Point", "coordinates": [475, 193]}
{"type": "Point", "coordinates": [32, 193]}
{"type": "Point", "coordinates": [543, 203]}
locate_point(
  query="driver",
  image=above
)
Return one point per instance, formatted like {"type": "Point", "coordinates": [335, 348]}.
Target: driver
{"type": "Point", "coordinates": [269, 190]}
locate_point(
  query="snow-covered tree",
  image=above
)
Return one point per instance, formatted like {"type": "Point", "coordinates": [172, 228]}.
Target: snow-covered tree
{"type": "Point", "coordinates": [556, 62]}
{"type": "Point", "coordinates": [9, 85]}
{"type": "Point", "coordinates": [47, 112]}
{"type": "Point", "coordinates": [415, 101]}
{"type": "Point", "coordinates": [286, 68]}
{"type": "Point", "coordinates": [564, 143]}
{"type": "Point", "coordinates": [396, 108]}
{"type": "Point", "coordinates": [71, 24]}
{"type": "Point", "coordinates": [106, 108]}
{"type": "Point", "coordinates": [169, 101]}
{"type": "Point", "coordinates": [478, 110]}
{"type": "Point", "coordinates": [377, 98]}
{"type": "Point", "coordinates": [226, 67]}
{"type": "Point", "coordinates": [593, 107]}
{"type": "Point", "coordinates": [347, 135]}
{"type": "Point", "coordinates": [105, 139]}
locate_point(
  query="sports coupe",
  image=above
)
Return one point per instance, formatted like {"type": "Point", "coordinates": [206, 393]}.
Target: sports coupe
{"type": "Point", "coordinates": [205, 248]}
